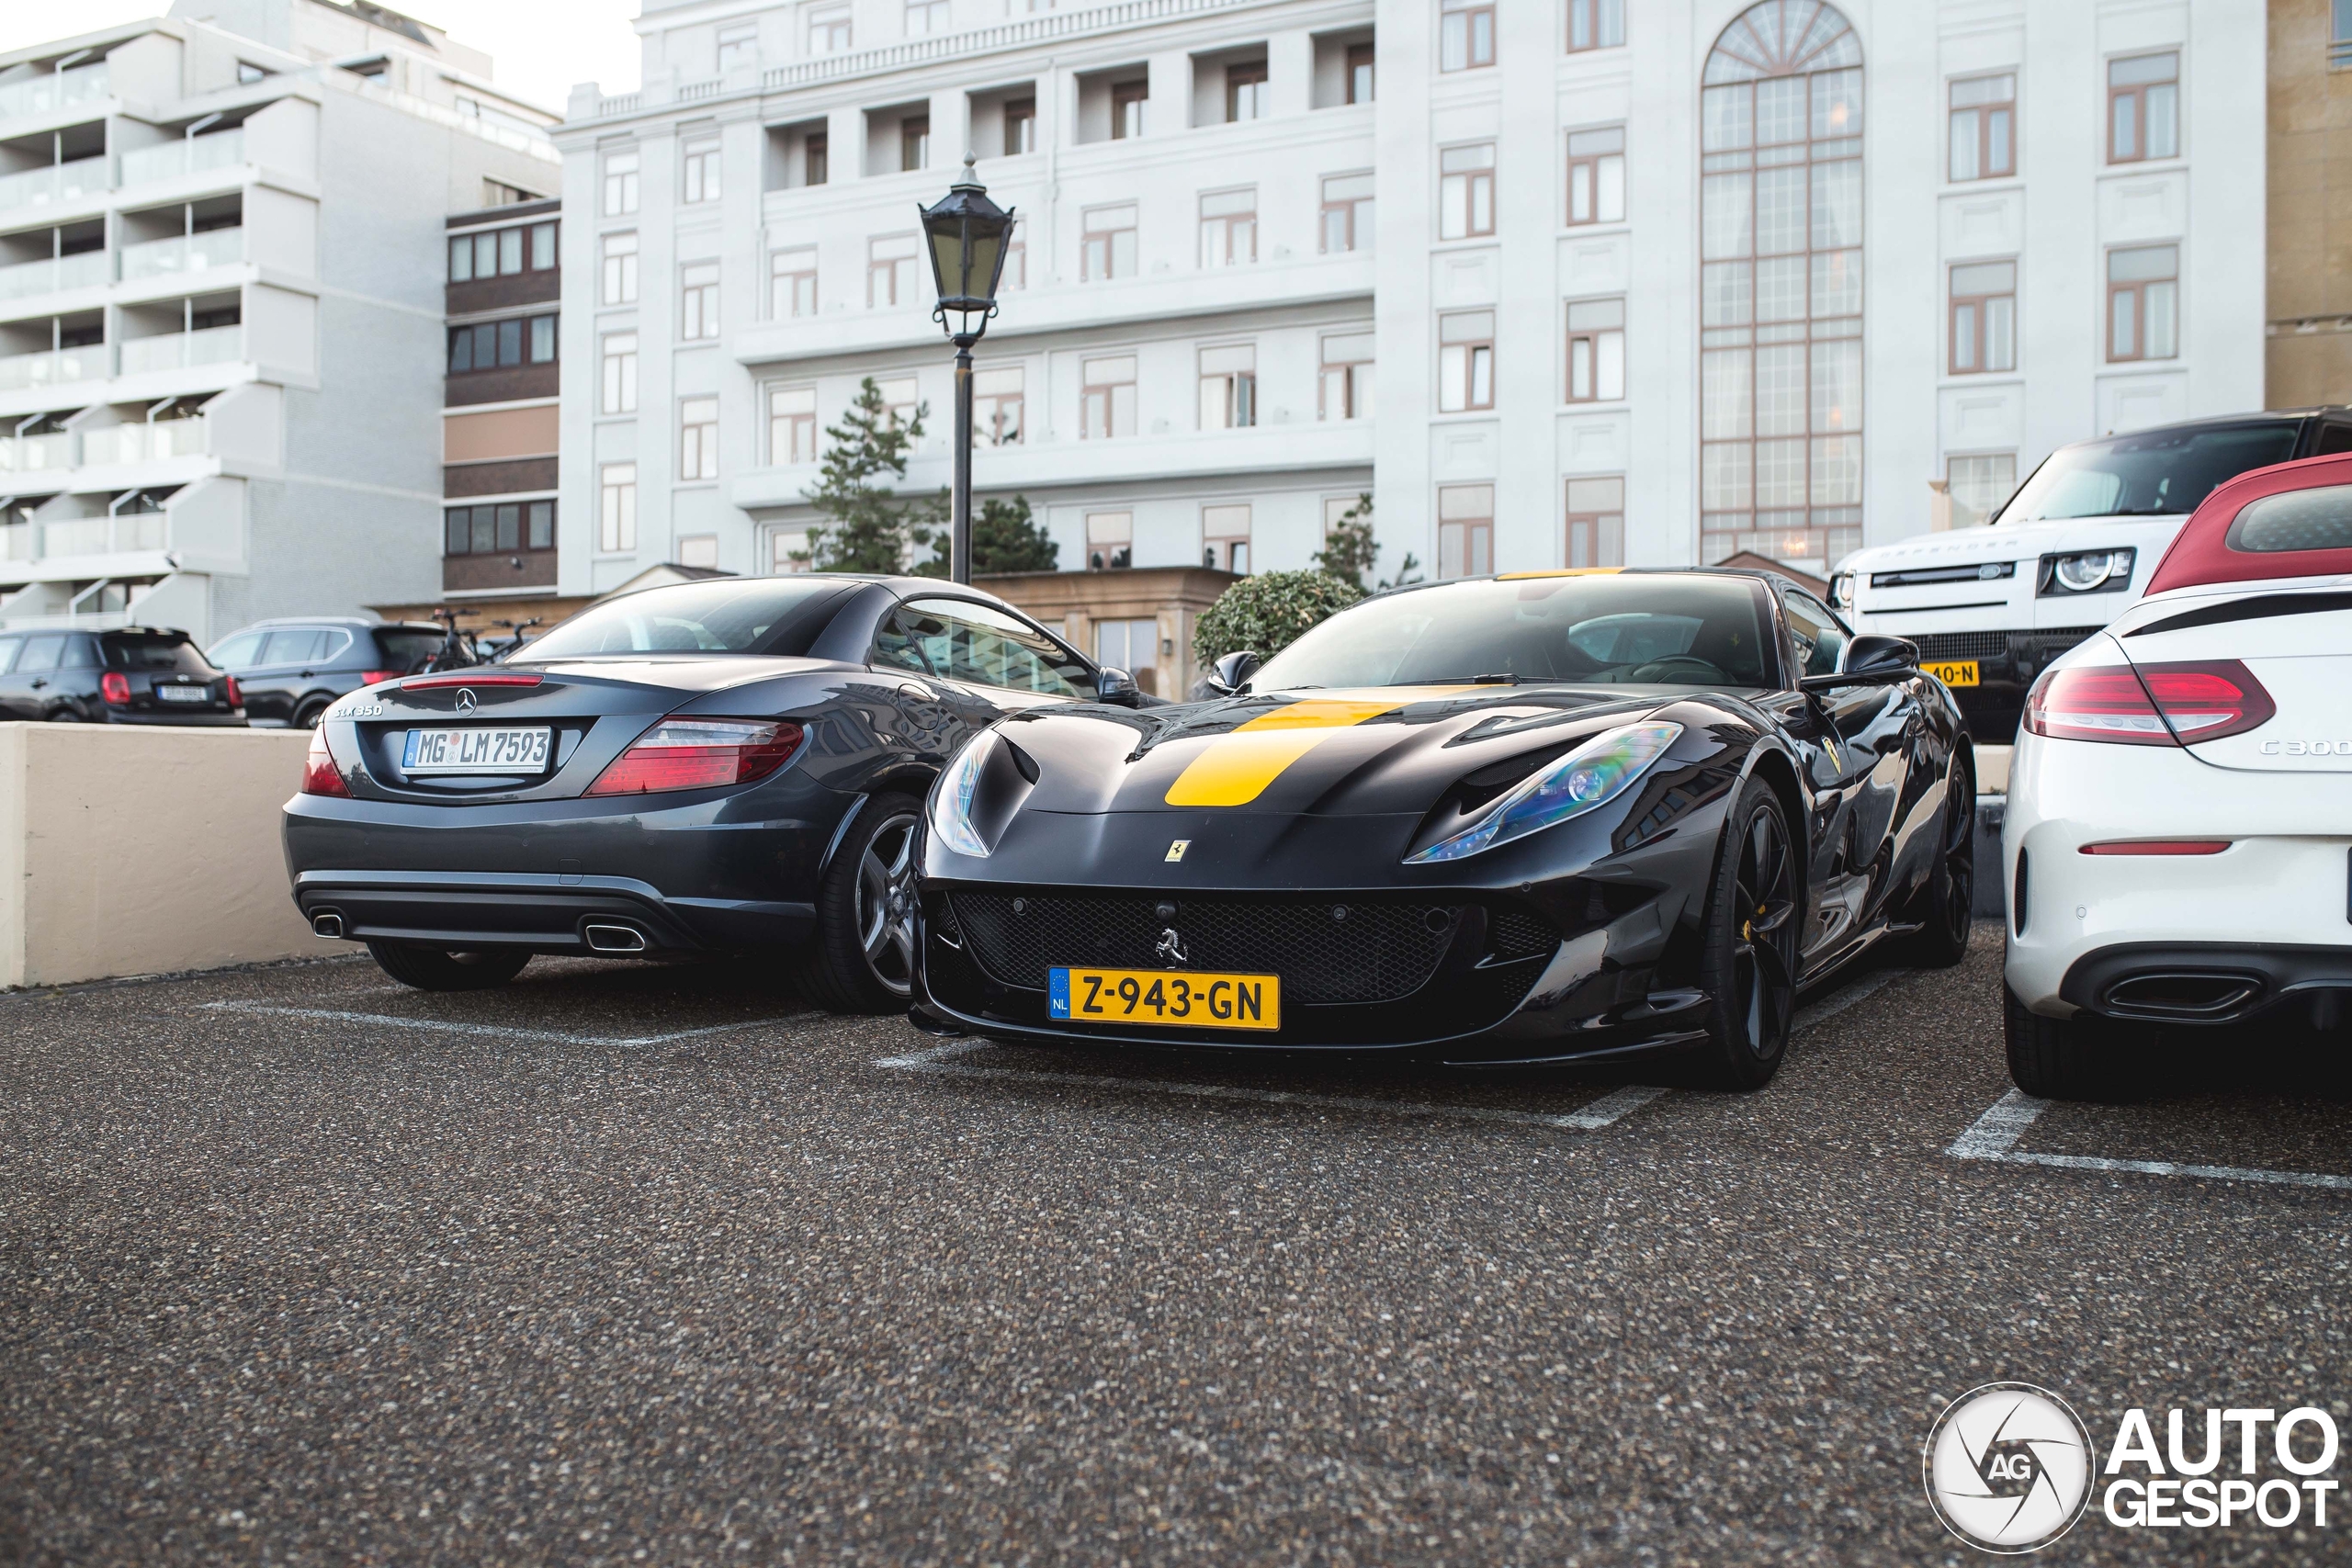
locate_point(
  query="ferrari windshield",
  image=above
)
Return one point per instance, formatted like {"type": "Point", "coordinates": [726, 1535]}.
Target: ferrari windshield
{"type": "Point", "coordinates": [2158, 473]}
{"type": "Point", "coordinates": [1667, 630]}
{"type": "Point", "coordinates": [764, 614]}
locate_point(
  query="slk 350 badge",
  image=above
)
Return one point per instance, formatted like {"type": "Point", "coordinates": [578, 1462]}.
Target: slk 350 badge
{"type": "Point", "coordinates": [360, 710]}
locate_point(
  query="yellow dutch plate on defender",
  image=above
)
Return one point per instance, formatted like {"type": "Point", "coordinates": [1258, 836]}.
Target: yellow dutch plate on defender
{"type": "Point", "coordinates": [1176, 999]}
{"type": "Point", "coordinates": [1951, 672]}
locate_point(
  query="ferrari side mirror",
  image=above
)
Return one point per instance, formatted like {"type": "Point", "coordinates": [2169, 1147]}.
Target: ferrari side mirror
{"type": "Point", "coordinates": [1230, 675]}
{"type": "Point", "coordinates": [1116, 687]}
{"type": "Point", "coordinates": [1871, 660]}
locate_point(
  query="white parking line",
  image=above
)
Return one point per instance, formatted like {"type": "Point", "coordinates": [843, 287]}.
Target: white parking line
{"type": "Point", "coordinates": [1994, 1136]}
{"type": "Point", "coordinates": [486, 1031]}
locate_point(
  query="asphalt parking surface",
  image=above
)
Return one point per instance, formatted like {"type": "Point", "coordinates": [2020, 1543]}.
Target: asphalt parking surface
{"type": "Point", "coordinates": [649, 1264]}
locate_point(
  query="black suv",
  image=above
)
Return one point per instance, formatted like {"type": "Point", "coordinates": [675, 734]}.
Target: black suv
{"type": "Point", "coordinates": [137, 675]}
{"type": "Point", "coordinates": [291, 670]}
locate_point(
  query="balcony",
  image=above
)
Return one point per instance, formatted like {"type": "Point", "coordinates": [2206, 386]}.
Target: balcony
{"type": "Point", "coordinates": [178, 351]}
{"type": "Point", "coordinates": [54, 367]}
{"type": "Point", "coordinates": [60, 90]}
{"type": "Point", "coordinates": [80, 271]}
{"type": "Point", "coordinates": [118, 535]}
{"type": "Point", "coordinates": [35, 453]}
{"type": "Point", "coordinates": [142, 443]}
{"type": "Point", "coordinates": [190, 155]}
{"type": "Point", "coordinates": [59, 182]}
{"type": "Point", "coordinates": [183, 253]}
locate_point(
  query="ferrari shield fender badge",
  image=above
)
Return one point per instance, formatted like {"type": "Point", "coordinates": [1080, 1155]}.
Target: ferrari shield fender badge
{"type": "Point", "coordinates": [1176, 848]}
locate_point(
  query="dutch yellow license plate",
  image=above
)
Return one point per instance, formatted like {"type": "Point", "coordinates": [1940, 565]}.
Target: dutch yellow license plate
{"type": "Point", "coordinates": [1952, 672]}
{"type": "Point", "coordinates": [1178, 998]}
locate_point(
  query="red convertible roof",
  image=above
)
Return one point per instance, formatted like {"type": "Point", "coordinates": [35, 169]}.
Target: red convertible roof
{"type": "Point", "coordinates": [2240, 533]}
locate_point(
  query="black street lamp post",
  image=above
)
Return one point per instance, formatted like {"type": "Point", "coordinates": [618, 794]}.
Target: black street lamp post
{"type": "Point", "coordinates": [967, 234]}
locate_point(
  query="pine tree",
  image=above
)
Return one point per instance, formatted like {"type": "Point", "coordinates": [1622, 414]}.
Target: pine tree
{"type": "Point", "coordinates": [1005, 537]}
{"type": "Point", "coordinates": [1349, 553]}
{"type": "Point", "coordinates": [868, 525]}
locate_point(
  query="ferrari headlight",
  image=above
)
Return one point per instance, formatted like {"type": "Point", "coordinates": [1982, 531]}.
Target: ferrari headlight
{"type": "Point", "coordinates": [2088, 572]}
{"type": "Point", "coordinates": [951, 807]}
{"type": "Point", "coordinates": [1593, 774]}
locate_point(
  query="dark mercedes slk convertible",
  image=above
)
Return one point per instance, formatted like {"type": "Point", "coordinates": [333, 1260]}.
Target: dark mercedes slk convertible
{"type": "Point", "coordinates": [723, 765]}
{"type": "Point", "coordinates": [1534, 817]}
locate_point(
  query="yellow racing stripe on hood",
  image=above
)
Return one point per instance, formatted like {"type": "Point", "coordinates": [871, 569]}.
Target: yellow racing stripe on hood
{"type": "Point", "coordinates": [1237, 766]}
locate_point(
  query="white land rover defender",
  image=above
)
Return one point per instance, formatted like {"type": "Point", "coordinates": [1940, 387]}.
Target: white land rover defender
{"type": "Point", "coordinates": [1991, 606]}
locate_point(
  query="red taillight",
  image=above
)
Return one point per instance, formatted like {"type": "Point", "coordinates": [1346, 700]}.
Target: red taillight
{"type": "Point", "coordinates": [700, 753]}
{"type": "Point", "coordinates": [320, 774]}
{"type": "Point", "coordinates": [2153, 705]}
{"type": "Point", "coordinates": [371, 677]}
{"type": "Point", "coordinates": [2158, 847]}
{"type": "Point", "coordinates": [229, 684]}
{"type": "Point", "coordinates": [115, 687]}
{"type": "Point", "coordinates": [432, 682]}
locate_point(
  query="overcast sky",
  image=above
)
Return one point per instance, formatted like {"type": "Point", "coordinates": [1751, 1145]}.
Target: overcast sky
{"type": "Point", "coordinates": [540, 46]}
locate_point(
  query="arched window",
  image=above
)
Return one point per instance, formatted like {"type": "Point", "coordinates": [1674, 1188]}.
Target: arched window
{"type": "Point", "coordinates": [1781, 286]}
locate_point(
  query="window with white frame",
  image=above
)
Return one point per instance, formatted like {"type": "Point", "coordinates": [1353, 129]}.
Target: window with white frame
{"type": "Point", "coordinates": [2144, 302]}
{"type": "Point", "coordinates": [697, 438]}
{"type": "Point", "coordinates": [620, 182]}
{"type": "Point", "coordinates": [1465, 530]}
{"type": "Point", "coordinates": [926, 17]}
{"type": "Point", "coordinates": [1127, 99]}
{"type": "Point", "coordinates": [792, 424]}
{"type": "Point", "coordinates": [1132, 646]}
{"type": "Point", "coordinates": [996, 406]}
{"type": "Point", "coordinates": [1465, 35]}
{"type": "Point", "coordinates": [1229, 387]}
{"type": "Point", "coordinates": [1109, 540]}
{"type": "Point", "coordinates": [890, 269]}
{"type": "Point", "coordinates": [788, 551]}
{"type": "Point", "coordinates": [1984, 128]}
{"type": "Point", "coordinates": [1596, 351]}
{"type": "Point", "coordinates": [699, 302]}
{"type": "Point", "coordinates": [1110, 242]}
{"type": "Point", "coordinates": [829, 31]}
{"type": "Point", "coordinates": [1225, 536]}
{"type": "Point", "coordinates": [901, 398]}
{"type": "Point", "coordinates": [699, 179]}
{"type": "Point", "coordinates": [1107, 398]}
{"type": "Point", "coordinates": [1245, 92]}
{"type": "Point", "coordinates": [2144, 107]}
{"type": "Point", "coordinates": [1595, 522]}
{"type": "Point", "coordinates": [620, 269]}
{"type": "Point", "coordinates": [698, 549]}
{"type": "Point", "coordinates": [792, 282]}
{"type": "Point", "coordinates": [1346, 213]}
{"type": "Point", "coordinates": [620, 373]}
{"type": "Point", "coordinates": [1983, 317]}
{"type": "Point", "coordinates": [616, 508]}
{"type": "Point", "coordinates": [1465, 361]}
{"type": "Point", "coordinates": [1229, 227]}
{"type": "Point", "coordinates": [1595, 24]}
{"type": "Point", "coordinates": [1978, 484]}
{"type": "Point", "coordinates": [1466, 191]}
{"type": "Point", "coordinates": [1597, 175]}
{"type": "Point", "coordinates": [738, 42]}
{"type": "Point", "coordinates": [1347, 377]}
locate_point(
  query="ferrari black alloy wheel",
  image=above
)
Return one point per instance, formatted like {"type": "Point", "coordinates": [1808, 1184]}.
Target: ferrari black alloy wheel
{"type": "Point", "coordinates": [443, 969]}
{"type": "Point", "coordinates": [1750, 963]}
{"type": "Point", "coordinates": [1947, 905]}
{"type": "Point", "coordinates": [863, 959]}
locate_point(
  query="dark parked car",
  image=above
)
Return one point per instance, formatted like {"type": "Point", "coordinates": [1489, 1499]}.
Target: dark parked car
{"type": "Point", "coordinates": [729, 764]}
{"type": "Point", "coordinates": [137, 675]}
{"type": "Point", "coordinates": [291, 670]}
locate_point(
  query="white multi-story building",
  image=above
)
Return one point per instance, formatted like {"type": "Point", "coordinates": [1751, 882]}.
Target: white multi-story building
{"type": "Point", "coordinates": [1570, 282]}
{"type": "Point", "coordinates": [221, 304]}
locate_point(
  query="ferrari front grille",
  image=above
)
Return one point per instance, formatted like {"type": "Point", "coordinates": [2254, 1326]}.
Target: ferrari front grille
{"type": "Point", "coordinates": [1325, 950]}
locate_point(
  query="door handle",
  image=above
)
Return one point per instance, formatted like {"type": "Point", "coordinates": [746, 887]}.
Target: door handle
{"type": "Point", "coordinates": [38, 684]}
{"type": "Point", "coordinates": [306, 674]}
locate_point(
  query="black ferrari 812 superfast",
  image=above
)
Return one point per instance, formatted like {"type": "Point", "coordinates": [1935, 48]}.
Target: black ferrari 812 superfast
{"type": "Point", "coordinates": [1536, 818]}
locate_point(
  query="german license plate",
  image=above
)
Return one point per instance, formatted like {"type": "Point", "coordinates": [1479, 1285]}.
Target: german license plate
{"type": "Point", "coordinates": [1178, 998]}
{"type": "Point", "coordinates": [1952, 672]}
{"type": "Point", "coordinates": [182, 694]}
{"type": "Point", "coordinates": [477, 750]}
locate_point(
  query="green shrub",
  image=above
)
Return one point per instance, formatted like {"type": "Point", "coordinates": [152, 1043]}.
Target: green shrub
{"type": "Point", "coordinates": [1266, 612]}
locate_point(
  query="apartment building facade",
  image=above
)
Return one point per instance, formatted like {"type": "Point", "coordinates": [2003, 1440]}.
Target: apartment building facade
{"type": "Point", "coordinates": [1582, 282]}
{"type": "Point", "coordinates": [220, 307]}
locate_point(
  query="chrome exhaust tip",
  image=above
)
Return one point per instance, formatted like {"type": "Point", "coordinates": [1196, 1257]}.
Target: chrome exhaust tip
{"type": "Point", "coordinates": [327, 924]}
{"type": "Point", "coordinates": [605, 938]}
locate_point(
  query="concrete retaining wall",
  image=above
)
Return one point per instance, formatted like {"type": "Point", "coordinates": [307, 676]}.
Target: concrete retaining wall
{"type": "Point", "coordinates": [136, 850]}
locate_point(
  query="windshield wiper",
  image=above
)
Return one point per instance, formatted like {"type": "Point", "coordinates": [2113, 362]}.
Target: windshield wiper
{"type": "Point", "coordinates": [1470, 680]}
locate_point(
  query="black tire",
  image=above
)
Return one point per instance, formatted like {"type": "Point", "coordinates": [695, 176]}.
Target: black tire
{"type": "Point", "coordinates": [1946, 907]}
{"type": "Point", "coordinates": [2082, 1057]}
{"type": "Point", "coordinates": [306, 717]}
{"type": "Point", "coordinates": [441, 969]}
{"type": "Point", "coordinates": [63, 716]}
{"type": "Point", "coordinates": [862, 958]}
{"type": "Point", "coordinates": [1749, 960]}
